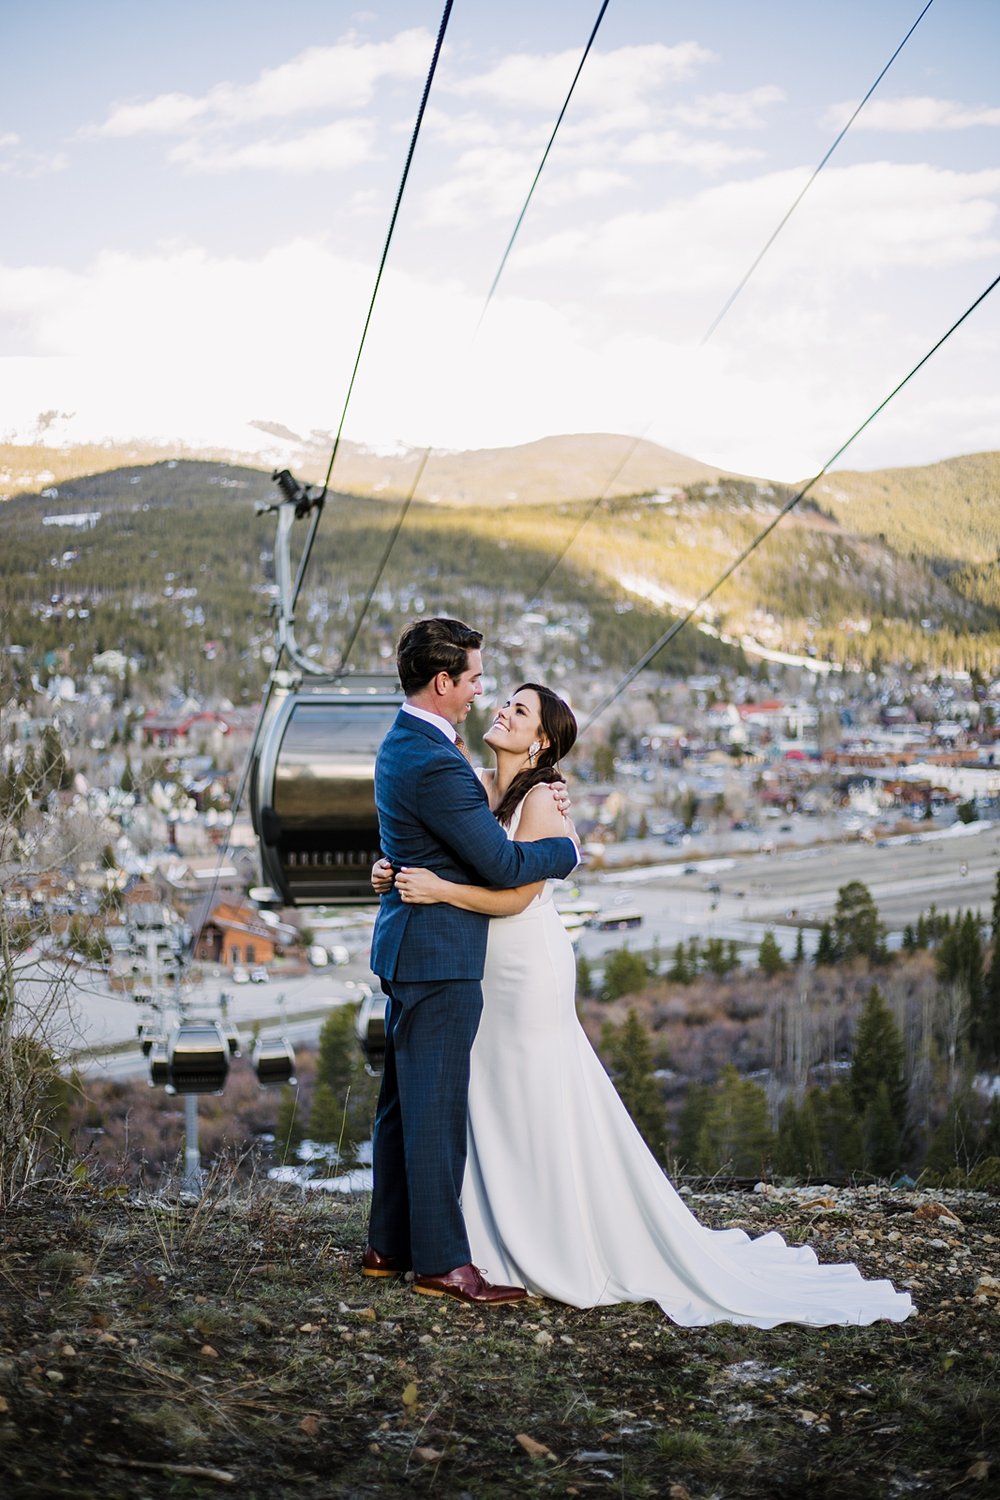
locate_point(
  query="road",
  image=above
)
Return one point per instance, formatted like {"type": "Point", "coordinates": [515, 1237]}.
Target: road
{"type": "Point", "coordinates": [954, 869]}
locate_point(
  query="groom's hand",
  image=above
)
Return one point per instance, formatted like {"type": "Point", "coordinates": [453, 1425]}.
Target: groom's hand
{"type": "Point", "coordinates": [382, 877]}
{"type": "Point", "coordinates": [560, 796]}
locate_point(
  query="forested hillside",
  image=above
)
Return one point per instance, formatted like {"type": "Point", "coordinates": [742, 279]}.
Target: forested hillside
{"type": "Point", "coordinates": [178, 573]}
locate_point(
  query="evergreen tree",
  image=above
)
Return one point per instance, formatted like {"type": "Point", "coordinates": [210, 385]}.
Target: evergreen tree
{"type": "Point", "coordinates": [800, 947]}
{"type": "Point", "coordinates": [769, 955]}
{"type": "Point", "coordinates": [799, 1148]}
{"type": "Point", "coordinates": [839, 1129]}
{"type": "Point", "coordinates": [718, 957]}
{"type": "Point", "coordinates": [289, 1130]}
{"type": "Point", "coordinates": [679, 971]}
{"type": "Point", "coordinates": [882, 1133]}
{"type": "Point", "coordinates": [956, 1141]}
{"type": "Point", "coordinates": [826, 953]}
{"type": "Point", "coordinates": [879, 1058]}
{"type": "Point", "coordinates": [343, 1106]}
{"type": "Point", "coordinates": [625, 973]}
{"type": "Point", "coordinates": [989, 1033]}
{"type": "Point", "coordinates": [689, 1123]}
{"type": "Point", "coordinates": [857, 929]}
{"type": "Point", "coordinates": [736, 1134]}
{"type": "Point", "coordinates": [628, 1055]}
{"type": "Point", "coordinates": [328, 1119]}
{"type": "Point", "coordinates": [584, 978]}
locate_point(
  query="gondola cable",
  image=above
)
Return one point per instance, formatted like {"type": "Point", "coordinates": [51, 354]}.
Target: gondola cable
{"type": "Point", "coordinates": [541, 165]}
{"type": "Point", "coordinates": [319, 501]}
{"type": "Point", "coordinates": [799, 197]}
{"type": "Point", "coordinates": [707, 335]}
{"type": "Point", "coordinates": [789, 505]}
{"type": "Point", "coordinates": [384, 559]}
{"type": "Point", "coordinates": [489, 297]}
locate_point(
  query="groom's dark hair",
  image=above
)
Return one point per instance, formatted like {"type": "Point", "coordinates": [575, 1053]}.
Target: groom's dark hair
{"type": "Point", "coordinates": [427, 647]}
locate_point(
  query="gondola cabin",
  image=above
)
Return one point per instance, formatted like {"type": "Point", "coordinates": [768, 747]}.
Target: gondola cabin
{"type": "Point", "coordinates": [312, 794]}
{"type": "Point", "coordinates": [198, 1058]}
{"type": "Point", "coordinates": [369, 1028]}
{"type": "Point", "coordinates": [274, 1060]}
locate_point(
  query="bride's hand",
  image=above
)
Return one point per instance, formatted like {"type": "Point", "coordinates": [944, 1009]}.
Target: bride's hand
{"type": "Point", "coordinates": [420, 887]}
{"type": "Point", "coordinates": [382, 877]}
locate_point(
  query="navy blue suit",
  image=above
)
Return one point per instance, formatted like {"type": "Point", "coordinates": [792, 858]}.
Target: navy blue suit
{"type": "Point", "coordinates": [433, 813]}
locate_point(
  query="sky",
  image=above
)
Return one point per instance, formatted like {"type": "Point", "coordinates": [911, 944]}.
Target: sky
{"type": "Point", "coordinates": [194, 199]}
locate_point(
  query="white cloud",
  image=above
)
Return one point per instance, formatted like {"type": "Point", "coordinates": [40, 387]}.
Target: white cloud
{"type": "Point", "coordinates": [493, 181]}
{"type": "Point", "coordinates": [16, 160]}
{"type": "Point", "coordinates": [652, 148]}
{"type": "Point", "coordinates": [729, 111]}
{"type": "Point", "coordinates": [330, 148]}
{"type": "Point", "coordinates": [872, 218]}
{"type": "Point", "coordinates": [524, 81]}
{"type": "Point", "coordinates": [912, 114]}
{"type": "Point", "coordinates": [340, 77]}
{"type": "Point", "coordinates": [192, 346]}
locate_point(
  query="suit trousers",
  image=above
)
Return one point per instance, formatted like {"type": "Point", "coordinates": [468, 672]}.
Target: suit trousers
{"type": "Point", "coordinates": [421, 1123]}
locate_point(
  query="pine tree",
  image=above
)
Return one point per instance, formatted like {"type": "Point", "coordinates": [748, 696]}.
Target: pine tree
{"type": "Point", "coordinates": [826, 953]}
{"type": "Point", "coordinates": [857, 929]}
{"type": "Point", "coordinates": [839, 1128]}
{"type": "Point", "coordinates": [800, 947]}
{"type": "Point", "coordinates": [628, 1054]}
{"type": "Point", "coordinates": [718, 957]}
{"type": "Point", "coordinates": [345, 1094]}
{"type": "Point", "coordinates": [679, 971]}
{"type": "Point", "coordinates": [769, 955]}
{"type": "Point", "coordinates": [879, 1058]}
{"type": "Point", "coordinates": [882, 1133]}
{"type": "Point", "coordinates": [736, 1134]}
{"type": "Point", "coordinates": [328, 1119]}
{"type": "Point", "coordinates": [625, 973]}
{"type": "Point", "coordinates": [799, 1147]}
{"type": "Point", "coordinates": [689, 1123]}
{"type": "Point", "coordinates": [989, 1036]}
{"type": "Point", "coordinates": [289, 1130]}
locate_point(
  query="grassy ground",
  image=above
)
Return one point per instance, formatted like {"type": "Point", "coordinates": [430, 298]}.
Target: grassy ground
{"type": "Point", "coordinates": [150, 1348]}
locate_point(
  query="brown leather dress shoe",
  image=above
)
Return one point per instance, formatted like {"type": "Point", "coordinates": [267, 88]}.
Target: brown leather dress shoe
{"type": "Point", "coordinates": [374, 1264]}
{"type": "Point", "coordinates": [467, 1284]}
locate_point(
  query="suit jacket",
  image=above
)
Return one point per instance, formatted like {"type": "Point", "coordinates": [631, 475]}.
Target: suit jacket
{"type": "Point", "coordinates": [433, 813]}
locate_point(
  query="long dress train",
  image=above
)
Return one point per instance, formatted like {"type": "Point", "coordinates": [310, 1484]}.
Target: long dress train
{"type": "Point", "coordinates": [561, 1194]}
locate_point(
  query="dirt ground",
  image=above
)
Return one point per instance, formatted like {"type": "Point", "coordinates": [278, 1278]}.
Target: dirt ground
{"type": "Point", "coordinates": [153, 1348]}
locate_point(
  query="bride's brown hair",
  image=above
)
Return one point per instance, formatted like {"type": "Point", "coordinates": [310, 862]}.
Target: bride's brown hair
{"type": "Point", "coordinates": [558, 725]}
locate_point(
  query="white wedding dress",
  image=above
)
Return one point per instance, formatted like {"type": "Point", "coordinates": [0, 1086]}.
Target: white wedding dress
{"type": "Point", "coordinates": [561, 1194]}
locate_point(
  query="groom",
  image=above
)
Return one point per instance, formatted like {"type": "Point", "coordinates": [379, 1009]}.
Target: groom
{"type": "Point", "coordinates": [433, 813]}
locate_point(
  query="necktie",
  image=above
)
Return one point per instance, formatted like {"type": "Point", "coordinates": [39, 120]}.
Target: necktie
{"type": "Point", "coordinates": [462, 747]}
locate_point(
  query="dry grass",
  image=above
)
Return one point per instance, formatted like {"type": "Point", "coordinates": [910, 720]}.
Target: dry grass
{"type": "Point", "coordinates": [156, 1349]}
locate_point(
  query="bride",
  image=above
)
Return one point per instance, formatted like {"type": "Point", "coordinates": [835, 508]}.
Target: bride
{"type": "Point", "coordinates": [561, 1193]}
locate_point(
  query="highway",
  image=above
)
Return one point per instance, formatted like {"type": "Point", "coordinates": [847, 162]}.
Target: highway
{"type": "Point", "coordinates": [953, 869]}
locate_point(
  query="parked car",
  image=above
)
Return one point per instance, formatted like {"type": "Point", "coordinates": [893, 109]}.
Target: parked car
{"type": "Point", "coordinates": [240, 975]}
{"type": "Point", "coordinates": [259, 976]}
